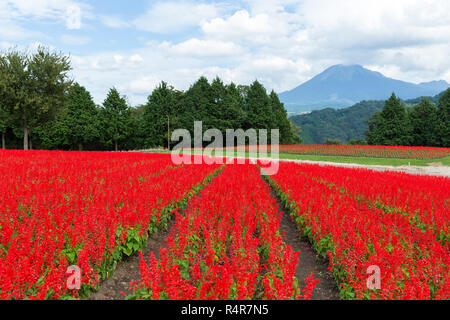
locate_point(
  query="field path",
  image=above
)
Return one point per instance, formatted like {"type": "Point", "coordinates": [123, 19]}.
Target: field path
{"type": "Point", "coordinates": [128, 269]}
{"type": "Point", "coordinates": [437, 170]}
{"type": "Point", "coordinates": [308, 260]}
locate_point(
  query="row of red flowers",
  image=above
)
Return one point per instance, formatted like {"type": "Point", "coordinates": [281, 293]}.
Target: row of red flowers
{"type": "Point", "coordinates": [424, 200]}
{"type": "Point", "coordinates": [357, 236]}
{"type": "Point", "coordinates": [420, 153]}
{"type": "Point", "coordinates": [78, 208]}
{"type": "Point", "coordinates": [226, 245]}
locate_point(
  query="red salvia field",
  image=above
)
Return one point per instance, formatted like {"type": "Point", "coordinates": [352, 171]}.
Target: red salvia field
{"type": "Point", "coordinates": [418, 153]}
{"type": "Point", "coordinates": [93, 209]}
{"type": "Point", "coordinates": [226, 247]}
{"type": "Point", "coordinates": [363, 218]}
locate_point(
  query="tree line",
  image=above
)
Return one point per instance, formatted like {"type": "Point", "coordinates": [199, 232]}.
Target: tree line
{"type": "Point", "coordinates": [423, 124]}
{"type": "Point", "coordinates": [42, 108]}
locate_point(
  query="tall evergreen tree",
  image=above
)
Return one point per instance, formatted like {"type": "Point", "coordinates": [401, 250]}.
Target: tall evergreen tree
{"type": "Point", "coordinates": [443, 120]}
{"type": "Point", "coordinates": [258, 108]}
{"type": "Point", "coordinates": [137, 130]}
{"type": "Point", "coordinates": [160, 113]}
{"type": "Point", "coordinates": [53, 135]}
{"type": "Point", "coordinates": [423, 122]}
{"type": "Point", "coordinates": [197, 102]}
{"type": "Point", "coordinates": [115, 117]}
{"type": "Point", "coordinates": [233, 111]}
{"type": "Point", "coordinates": [81, 118]}
{"type": "Point", "coordinates": [374, 134]}
{"type": "Point", "coordinates": [391, 126]}
{"type": "Point", "coordinates": [218, 106]}
{"type": "Point", "coordinates": [281, 122]}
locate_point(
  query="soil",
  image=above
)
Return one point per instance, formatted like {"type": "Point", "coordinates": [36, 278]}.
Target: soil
{"type": "Point", "coordinates": [128, 270]}
{"type": "Point", "coordinates": [435, 164]}
{"type": "Point", "coordinates": [308, 260]}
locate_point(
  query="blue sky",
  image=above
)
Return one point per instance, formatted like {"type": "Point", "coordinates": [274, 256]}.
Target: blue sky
{"type": "Point", "coordinates": [133, 45]}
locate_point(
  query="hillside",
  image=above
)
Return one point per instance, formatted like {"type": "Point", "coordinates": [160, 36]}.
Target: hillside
{"type": "Point", "coordinates": [342, 86]}
{"type": "Point", "coordinates": [342, 124]}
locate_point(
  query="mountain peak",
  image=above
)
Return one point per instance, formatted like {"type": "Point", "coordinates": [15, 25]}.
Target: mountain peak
{"type": "Point", "coordinates": [345, 66]}
{"type": "Point", "coordinates": [341, 72]}
{"type": "Point", "coordinates": [344, 85]}
{"type": "Point", "coordinates": [440, 85]}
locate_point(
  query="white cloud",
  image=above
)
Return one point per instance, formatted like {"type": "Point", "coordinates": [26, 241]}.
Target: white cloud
{"type": "Point", "coordinates": [374, 24]}
{"type": "Point", "coordinates": [5, 45]}
{"type": "Point", "coordinates": [260, 28]}
{"type": "Point", "coordinates": [74, 40]}
{"type": "Point", "coordinates": [414, 64]}
{"type": "Point", "coordinates": [114, 22]}
{"type": "Point", "coordinates": [15, 13]}
{"type": "Point", "coordinates": [281, 43]}
{"type": "Point", "coordinates": [196, 48]}
{"type": "Point", "coordinates": [143, 86]}
{"type": "Point", "coordinates": [136, 58]}
{"type": "Point", "coordinates": [73, 17]}
{"type": "Point", "coordinates": [407, 39]}
{"type": "Point", "coordinates": [174, 16]}
{"type": "Point", "coordinates": [68, 11]}
{"type": "Point", "coordinates": [10, 30]}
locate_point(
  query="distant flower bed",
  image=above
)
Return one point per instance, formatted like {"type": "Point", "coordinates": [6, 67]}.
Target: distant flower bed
{"type": "Point", "coordinates": [419, 153]}
{"type": "Point", "coordinates": [422, 153]}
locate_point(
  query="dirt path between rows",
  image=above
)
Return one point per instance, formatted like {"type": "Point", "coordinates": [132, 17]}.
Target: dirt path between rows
{"type": "Point", "coordinates": [128, 269]}
{"type": "Point", "coordinates": [308, 260]}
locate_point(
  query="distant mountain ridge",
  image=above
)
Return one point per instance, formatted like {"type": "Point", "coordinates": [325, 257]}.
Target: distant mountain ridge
{"type": "Point", "coordinates": [342, 86]}
{"type": "Point", "coordinates": [343, 124]}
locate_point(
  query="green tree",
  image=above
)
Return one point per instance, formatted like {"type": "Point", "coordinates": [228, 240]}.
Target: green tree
{"type": "Point", "coordinates": [333, 142]}
{"type": "Point", "coordinates": [296, 132]}
{"type": "Point", "coordinates": [137, 134]}
{"type": "Point", "coordinates": [443, 120]}
{"type": "Point", "coordinates": [288, 133]}
{"type": "Point", "coordinates": [115, 119]}
{"type": "Point", "coordinates": [159, 114]}
{"type": "Point", "coordinates": [391, 126]}
{"type": "Point", "coordinates": [233, 108]}
{"type": "Point", "coordinates": [3, 126]}
{"type": "Point", "coordinates": [197, 103]}
{"type": "Point", "coordinates": [258, 108]}
{"type": "Point", "coordinates": [5, 112]}
{"type": "Point", "coordinates": [81, 117]}
{"type": "Point", "coordinates": [217, 106]}
{"type": "Point", "coordinates": [53, 135]}
{"type": "Point", "coordinates": [423, 122]}
{"type": "Point", "coordinates": [15, 88]}
{"type": "Point", "coordinates": [5, 116]}
{"type": "Point", "coordinates": [34, 87]}
{"type": "Point", "coordinates": [357, 142]}
{"type": "Point", "coordinates": [374, 134]}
